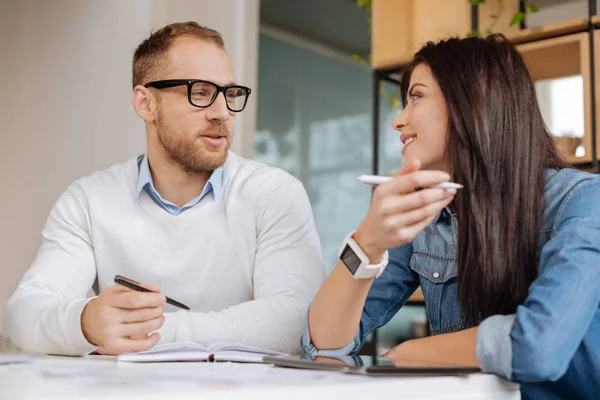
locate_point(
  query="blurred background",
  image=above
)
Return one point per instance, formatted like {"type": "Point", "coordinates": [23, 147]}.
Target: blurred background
{"type": "Point", "coordinates": [65, 106]}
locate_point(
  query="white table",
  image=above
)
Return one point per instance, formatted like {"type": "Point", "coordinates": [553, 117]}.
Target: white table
{"type": "Point", "coordinates": [64, 377]}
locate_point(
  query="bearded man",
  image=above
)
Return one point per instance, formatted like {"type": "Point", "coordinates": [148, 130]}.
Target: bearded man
{"type": "Point", "coordinates": [231, 238]}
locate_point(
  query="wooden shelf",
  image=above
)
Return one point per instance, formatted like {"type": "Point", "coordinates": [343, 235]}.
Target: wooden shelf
{"type": "Point", "coordinates": [561, 57]}
{"type": "Point", "coordinates": [401, 27]}
{"type": "Point", "coordinates": [577, 161]}
{"type": "Point", "coordinates": [548, 31]}
{"type": "Point", "coordinates": [556, 57]}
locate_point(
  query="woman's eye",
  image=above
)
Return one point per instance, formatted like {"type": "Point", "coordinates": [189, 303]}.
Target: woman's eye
{"type": "Point", "coordinates": [414, 96]}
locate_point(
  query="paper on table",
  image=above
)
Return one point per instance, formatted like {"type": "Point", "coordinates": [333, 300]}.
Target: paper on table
{"type": "Point", "coordinates": [190, 351]}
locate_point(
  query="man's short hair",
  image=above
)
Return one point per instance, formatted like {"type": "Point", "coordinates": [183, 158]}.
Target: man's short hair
{"type": "Point", "coordinates": [149, 56]}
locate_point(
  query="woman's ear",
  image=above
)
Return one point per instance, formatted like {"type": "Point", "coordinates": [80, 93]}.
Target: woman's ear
{"type": "Point", "coordinates": [144, 103]}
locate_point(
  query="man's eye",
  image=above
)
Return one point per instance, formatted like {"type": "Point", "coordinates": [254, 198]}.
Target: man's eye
{"type": "Point", "coordinates": [235, 93]}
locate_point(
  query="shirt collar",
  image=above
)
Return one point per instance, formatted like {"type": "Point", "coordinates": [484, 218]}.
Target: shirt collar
{"type": "Point", "coordinates": [215, 182]}
{"type": "Point", "coordinates": [144, 176]}
{"type": "Point", "coordinates": [444, 216]}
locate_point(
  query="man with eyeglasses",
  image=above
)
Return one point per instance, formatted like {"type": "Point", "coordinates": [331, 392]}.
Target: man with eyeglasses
{"type": "Point", "coordinates": [232, 239]}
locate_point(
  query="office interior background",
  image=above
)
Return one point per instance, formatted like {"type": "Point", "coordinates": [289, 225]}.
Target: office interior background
{"type": "Point", "coordinates": [65, 104]}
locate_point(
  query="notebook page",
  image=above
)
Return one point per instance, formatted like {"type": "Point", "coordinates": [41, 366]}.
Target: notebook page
{"type": "Point", "coordinates": [240, 352]}
{"type": "Point", "coordinates": [226, 346]}
{"type": "Point", "coordinates": [181, 351]}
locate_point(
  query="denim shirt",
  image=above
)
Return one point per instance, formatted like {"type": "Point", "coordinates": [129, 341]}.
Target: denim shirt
{"type": "Point", "coordinates": [551, 345]}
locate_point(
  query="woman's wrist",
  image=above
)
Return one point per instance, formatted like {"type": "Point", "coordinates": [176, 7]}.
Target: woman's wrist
{"type": "Point", "coordinates": [373, 250]}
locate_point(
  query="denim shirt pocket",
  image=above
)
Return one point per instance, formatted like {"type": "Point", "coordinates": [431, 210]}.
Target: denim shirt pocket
{"type": "Point", "coordinates": [434, 260]}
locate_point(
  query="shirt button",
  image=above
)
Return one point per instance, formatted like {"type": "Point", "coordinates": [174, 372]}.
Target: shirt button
{"type": "Point", "coordinates": [436, 274]}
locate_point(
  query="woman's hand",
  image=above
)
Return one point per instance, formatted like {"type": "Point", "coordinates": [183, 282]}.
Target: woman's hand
{"type": "Point", "coordinates": [456, 348]}
{"type": "Point", "coordinates": [398, 213]}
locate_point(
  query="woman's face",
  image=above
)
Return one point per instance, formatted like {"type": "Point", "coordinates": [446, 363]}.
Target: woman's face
{"type": "Point", "coordinates": [423, 124]}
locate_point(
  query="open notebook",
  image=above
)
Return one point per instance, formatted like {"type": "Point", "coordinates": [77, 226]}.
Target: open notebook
{"type": "Point", "coordinates": [190, 351]}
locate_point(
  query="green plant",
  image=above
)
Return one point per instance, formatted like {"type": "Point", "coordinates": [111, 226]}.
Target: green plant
{"type": "Point", "coordinates": [516, 18]}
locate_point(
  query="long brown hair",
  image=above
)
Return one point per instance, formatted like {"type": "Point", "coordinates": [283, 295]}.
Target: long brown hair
{"type": "Point", "coordinates": [498, 147]}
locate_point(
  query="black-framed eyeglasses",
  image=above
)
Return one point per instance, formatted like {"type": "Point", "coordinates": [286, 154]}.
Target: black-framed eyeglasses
{"type": "Point", "coordinates": [203, 93]}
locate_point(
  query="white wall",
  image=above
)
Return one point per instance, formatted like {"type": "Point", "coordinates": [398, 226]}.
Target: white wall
{"type": "Point", "coordinates": [65, 94]}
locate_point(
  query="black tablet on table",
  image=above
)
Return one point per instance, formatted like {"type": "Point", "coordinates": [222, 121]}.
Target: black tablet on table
{"type": "Point", "coordinates": [360, 366]}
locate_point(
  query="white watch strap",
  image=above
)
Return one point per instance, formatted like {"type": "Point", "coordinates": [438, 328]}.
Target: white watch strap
{"type": "Point", "coordinates": [365, 271]}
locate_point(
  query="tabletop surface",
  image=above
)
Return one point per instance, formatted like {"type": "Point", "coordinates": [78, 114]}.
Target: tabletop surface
{"type": "Point", "coordinates": [62, 377]}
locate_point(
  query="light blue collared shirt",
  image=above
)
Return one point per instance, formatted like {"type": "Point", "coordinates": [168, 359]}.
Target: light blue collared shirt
{"type": "Point", "coordinates": [214, 184]}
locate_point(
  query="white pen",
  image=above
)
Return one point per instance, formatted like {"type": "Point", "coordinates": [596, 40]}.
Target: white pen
{"type": "Point", "coordinates": [376, 180]}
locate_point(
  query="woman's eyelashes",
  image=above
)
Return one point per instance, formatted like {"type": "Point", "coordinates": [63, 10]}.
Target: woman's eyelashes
{"type": "Point", "coordinates": [413, 96]}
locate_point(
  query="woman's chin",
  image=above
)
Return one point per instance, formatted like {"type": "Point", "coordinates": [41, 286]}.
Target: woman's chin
{"type": "Point", "coordinates": [425, 164]}
{"type": "Point", "coordinates": [410, 157]}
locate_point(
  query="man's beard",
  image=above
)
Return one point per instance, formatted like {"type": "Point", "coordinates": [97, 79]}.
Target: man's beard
{"type": "Point", "coordinates": [192, 158]}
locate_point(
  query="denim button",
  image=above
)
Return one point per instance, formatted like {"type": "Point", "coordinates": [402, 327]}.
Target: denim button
{"type": "Point", "coordinates": [436, 274]}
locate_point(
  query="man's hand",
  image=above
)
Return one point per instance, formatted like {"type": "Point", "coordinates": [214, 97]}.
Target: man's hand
{"type": "Point", "coordinates": [120, 319]}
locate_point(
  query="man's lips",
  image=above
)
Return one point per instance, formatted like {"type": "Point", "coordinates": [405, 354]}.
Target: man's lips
{"type": "Point", "coordinates": [214, 139]}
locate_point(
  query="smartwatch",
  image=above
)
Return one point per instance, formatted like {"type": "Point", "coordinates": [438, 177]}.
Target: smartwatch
{"type": "Point", "coordinates": [357, 262]}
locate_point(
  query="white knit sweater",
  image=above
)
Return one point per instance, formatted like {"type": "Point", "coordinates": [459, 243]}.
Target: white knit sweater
{"type": "Point", "coordinates": [248, 264]}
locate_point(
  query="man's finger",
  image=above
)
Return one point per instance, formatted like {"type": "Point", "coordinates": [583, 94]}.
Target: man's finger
{"type": "Point", "coordinates": [142, 314]}
{"type": "Point", "coordinates": [126, 345]}
{"type": "Point", "coordinates": [142, 328]}
{"type": "Point", "coordinates": [118, 288]}
{"type": "Point", "coordinates": [151, 288]}
{"type": "Point", "coordinates": [135, 300]}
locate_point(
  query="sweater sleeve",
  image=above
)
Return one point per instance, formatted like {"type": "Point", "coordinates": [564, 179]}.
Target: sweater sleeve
{"type": "Point", "coordinates": [288, 271]}
{"type": "Point", "coordinates": [44, 313]}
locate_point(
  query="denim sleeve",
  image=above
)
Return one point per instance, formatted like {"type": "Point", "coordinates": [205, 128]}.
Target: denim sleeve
{"type": "Point", "coordinates": [539, 341]}
{"type": "Point", "coordinates": [388, 293]}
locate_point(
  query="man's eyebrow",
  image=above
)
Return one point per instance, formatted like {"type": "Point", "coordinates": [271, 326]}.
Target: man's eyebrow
{"type": "Point", "coordinates": [230, 83]}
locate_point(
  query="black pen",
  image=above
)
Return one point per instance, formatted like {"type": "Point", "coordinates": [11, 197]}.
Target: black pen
{"type": "Point", "coordinates": [131, 284]}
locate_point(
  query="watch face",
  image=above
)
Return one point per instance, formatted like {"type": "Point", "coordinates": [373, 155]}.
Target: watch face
{"type": "Point", "coordinates": [350, 259]}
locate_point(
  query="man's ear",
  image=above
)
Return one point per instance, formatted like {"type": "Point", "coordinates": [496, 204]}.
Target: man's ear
{"type": "Point", "coordinates": [144, 103]}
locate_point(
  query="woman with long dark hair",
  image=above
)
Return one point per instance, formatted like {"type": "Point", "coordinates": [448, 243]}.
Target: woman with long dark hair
{"type": "Point", "coordinates": [509, 265]}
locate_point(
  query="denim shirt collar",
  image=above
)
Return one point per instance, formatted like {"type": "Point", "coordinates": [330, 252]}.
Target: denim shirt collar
{"type": "Point", "coordinates": [444, 217]}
